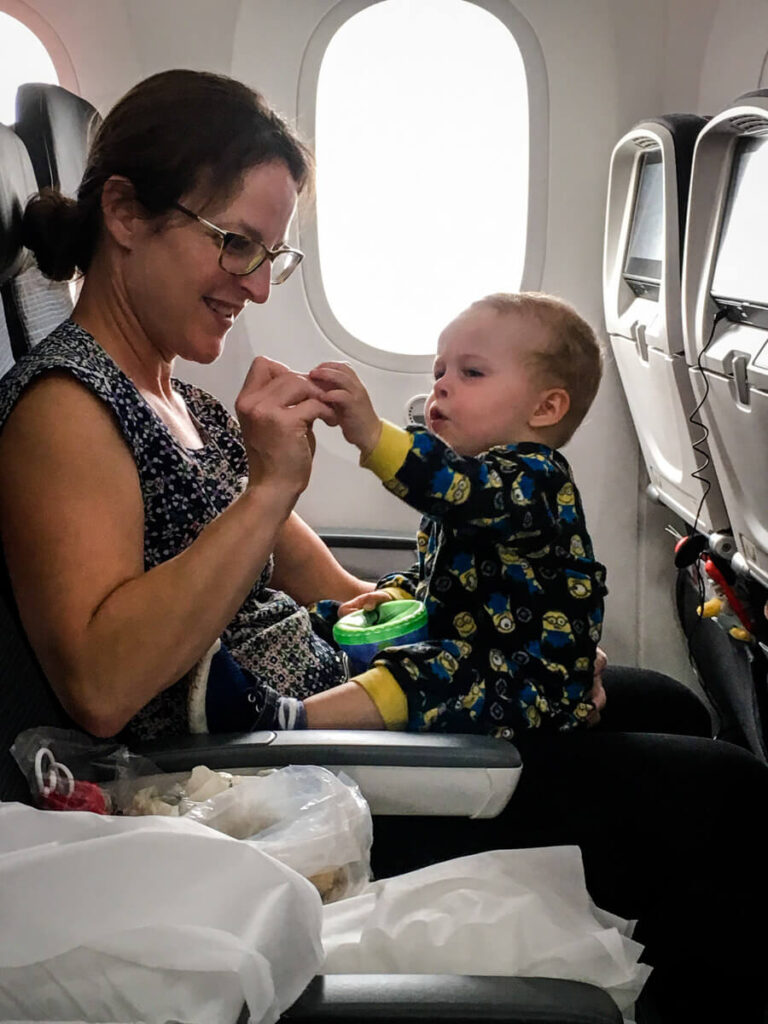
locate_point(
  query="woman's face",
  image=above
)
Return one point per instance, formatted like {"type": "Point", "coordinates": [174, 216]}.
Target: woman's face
{"type": "Point", "coordinates": [184, 302]}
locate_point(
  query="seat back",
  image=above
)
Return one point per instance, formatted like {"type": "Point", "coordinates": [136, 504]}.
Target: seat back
{"type": "Point", "coordinates": [725, 313]}
{"type": "Point", "coordinates": [647, 202]}
{"type": "Point", "coordinates": [32, 305]}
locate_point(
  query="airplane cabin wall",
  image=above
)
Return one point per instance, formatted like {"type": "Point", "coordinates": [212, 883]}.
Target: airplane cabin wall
{"type": "Point", "coordinates": [609, 63]}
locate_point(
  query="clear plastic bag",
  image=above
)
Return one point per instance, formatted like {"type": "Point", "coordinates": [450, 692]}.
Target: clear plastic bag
{"type": "Point", "coordinates": [315, 822]}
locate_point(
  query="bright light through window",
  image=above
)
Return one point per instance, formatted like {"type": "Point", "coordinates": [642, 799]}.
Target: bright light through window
{"type": "Point", "coordinates": [23, 58]}
{"type": "Point", "coordinates": [422, 157]}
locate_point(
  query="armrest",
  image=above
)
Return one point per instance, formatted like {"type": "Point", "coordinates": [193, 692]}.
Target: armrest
{"type": "Point", "coordinates": [398, 772]}
{"type": "Point", "coordinates": [438, 999]}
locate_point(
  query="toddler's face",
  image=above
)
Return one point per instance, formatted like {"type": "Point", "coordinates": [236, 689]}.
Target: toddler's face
{"type": "Point", "coordinates": [483, 394]}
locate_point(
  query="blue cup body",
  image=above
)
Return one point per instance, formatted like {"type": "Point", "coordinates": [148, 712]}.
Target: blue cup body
{"type": "Point", "coordinates": [361, 655]}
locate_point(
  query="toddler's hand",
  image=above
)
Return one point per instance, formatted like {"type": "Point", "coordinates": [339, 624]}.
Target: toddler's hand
{"type": "Point", "coordinates": [347, 397]}
{"type": "Point", "coordinates": [364, 602]}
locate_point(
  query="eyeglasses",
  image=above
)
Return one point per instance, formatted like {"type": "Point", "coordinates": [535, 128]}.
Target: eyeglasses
{"type": "Point", "coordinates": [240, 255]}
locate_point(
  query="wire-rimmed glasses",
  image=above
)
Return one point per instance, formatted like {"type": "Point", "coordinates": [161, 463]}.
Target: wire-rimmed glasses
{"type": "Point", "coordinates": [240, 255]}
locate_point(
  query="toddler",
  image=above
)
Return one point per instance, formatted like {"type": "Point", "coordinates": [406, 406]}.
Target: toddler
{"type": "Point", "coordinates": [505, 563]}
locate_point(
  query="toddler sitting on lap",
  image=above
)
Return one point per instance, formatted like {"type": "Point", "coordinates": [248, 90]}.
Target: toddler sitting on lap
{"type": "Point", "coordinates": [505, 563]}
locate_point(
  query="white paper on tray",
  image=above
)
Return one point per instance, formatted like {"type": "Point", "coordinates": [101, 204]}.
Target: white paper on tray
{"type": "Point", "coordinates": [147, 919]}
{"type": "Point", "coordinates": [506, 912]}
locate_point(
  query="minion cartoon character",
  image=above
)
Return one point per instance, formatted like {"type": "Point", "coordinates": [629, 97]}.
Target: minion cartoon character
{"type": "Point", "coordinates": [566, 503]}
{"type": "Point", "coordinates": [411, 668]}
{"type": "Point", "coordinates": [582, 710]}
{"type": "Point", "coordinates": [581, 665]}
{"type": "Point", "coordinates": [473, 700]}
{"type": "Point", "coordinates": [431, 715]}
{"type": "Point", "coordinates": [577, 547]}
{"type": "Point", "coordinates": [461, 648]}
{"type": "Point", "coordinates": [519, 569]}
{"type": "Point", "coordinates": [573, 692]}
{"type": "Point", "coordinates": [444, 665]}
{"type": "Point", "coordinates": [500, 611]}
{"type": "Point", "coordinates": [464, 624]}
{"type": "Point", "coordinates": [523, 489]}
{"type": "Point", "coordinates": [534, 461]}
{"type": "Point", "coordinates": [556, 630]}
{"type": "Point", "coordinates": [397, 488]}
{"type": "Point", "coordinates": [463, 566]}
{"type": "Point", "coordinates": [579, 586]}
{"type": "Point", "coordinates": [555, 667]}
{"type": "Point", "coordinates": [533, 716]}
{"type": "Point", "coordinates": [422, 444]}
{"type": "Point", "coordinates": [500, 663]}
{"type": "Point", "coordinates": [454, 487]}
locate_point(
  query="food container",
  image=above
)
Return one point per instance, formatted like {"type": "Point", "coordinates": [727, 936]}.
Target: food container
{"type": "Point", "coordinates": [362, 635]}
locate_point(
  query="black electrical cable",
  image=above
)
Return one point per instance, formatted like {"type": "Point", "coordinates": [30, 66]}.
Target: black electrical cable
{"type": "Point", "coordinates": [696, 421]}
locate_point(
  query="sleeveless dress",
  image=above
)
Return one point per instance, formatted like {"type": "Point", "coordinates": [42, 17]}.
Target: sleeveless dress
{"type": "Point", "coordinates": [183, 490]}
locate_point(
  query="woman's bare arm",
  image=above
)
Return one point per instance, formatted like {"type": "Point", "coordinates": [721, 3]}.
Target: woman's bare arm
{"type": "Point", "coordinates": [109, 635]}
{"type": "Point", "coordinates": [306, 569]}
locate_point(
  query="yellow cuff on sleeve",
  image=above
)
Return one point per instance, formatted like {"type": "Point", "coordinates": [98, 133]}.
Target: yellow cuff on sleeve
{"type": "Point", "coordinates": [389, 454]}
{"type": "Point", "coordinates": [398, 594]}
{"type": "Point", "coordinates": [386, 694]}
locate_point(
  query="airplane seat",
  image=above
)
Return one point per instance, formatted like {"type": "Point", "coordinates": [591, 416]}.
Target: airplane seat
{"type": "Point", "coordinates": [725, 311]}
{"type": "Point", "coordinates": [25, 696]}
{"type": "Point", "coordinates": [725, 329]}
{"type": "Point", "coordinates": [57, 127]}
{"type": "Point", "coordinates": [32, 304]}
{"type": "Point", "coordinates": [642, 257]}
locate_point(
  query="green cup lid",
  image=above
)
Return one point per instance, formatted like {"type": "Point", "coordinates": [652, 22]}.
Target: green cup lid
{"type": "Point", "coordinates": [387, 621]}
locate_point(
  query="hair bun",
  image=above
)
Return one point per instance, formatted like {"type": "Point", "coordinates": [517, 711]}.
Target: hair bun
{"type": "Point", "coordinates": [50, 229]}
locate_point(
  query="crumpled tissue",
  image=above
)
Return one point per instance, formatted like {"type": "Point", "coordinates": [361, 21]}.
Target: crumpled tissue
{"type": "Point", "coordinates": [505, 912]}
{"type": "Point", "coordinates": [147, 919]}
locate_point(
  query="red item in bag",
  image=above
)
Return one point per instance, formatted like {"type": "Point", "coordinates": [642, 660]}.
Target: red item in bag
{"type": "Point", "coordinates": [85, 796]}
{"type": "Point", "coordinates": [53, 776]}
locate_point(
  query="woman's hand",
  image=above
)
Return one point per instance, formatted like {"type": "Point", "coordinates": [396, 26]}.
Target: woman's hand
{"type": "Point", "coordinates": [350, 401]}
{"type": "Point", "coordinates": [276, 409]}
{"type": "Point", "coordinates": [364, 602]}
{"type": "Point", "coordinates": [597, 695]}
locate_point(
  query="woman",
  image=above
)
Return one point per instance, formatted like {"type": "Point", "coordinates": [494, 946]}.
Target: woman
{"type": "Point", "coordinates": [139, 525]}
{"type": "Point", "coordinates": [166, 514]}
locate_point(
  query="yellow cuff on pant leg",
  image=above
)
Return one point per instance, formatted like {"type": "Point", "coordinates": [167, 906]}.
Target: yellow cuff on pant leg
{"type": "Point", "coordinates": [385, 692]}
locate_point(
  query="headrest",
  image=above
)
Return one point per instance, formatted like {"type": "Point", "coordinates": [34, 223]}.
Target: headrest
{"type": "Point", "coordinates": [57, 128]}
{"type": "Point", "coordinates": [17, 184]}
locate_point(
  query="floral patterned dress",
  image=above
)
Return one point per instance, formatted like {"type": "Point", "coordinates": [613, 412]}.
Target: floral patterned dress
{"type": "Point", "coordinates": [183, 490]}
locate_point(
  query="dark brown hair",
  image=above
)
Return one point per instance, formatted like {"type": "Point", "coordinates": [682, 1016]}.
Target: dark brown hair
{"type": "Point", "coordinates": [572, 358]}
{"type": "Point", "coordinates": [174, 133]}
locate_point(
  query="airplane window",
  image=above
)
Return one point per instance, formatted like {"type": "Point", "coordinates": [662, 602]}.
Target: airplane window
{"type": "Point", "coordinates": [422, 142]}
{"type": "Point", "coordinates": [23, 58]}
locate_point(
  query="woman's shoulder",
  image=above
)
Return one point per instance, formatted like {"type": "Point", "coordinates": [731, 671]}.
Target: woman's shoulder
{"type": "Point", "coordinates": [68, 349]}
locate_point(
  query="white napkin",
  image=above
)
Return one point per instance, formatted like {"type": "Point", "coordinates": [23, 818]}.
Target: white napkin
{"type": "Point", "coordinates": [506, 912]}
{"type": "Point", "coordinates": [147, 919]}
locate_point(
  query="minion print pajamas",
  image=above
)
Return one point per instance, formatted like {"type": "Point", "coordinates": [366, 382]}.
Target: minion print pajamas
{"type": "Point", "coordinates": [513, 591]}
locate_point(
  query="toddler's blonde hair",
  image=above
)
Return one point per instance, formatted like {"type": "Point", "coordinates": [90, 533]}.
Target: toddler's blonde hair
{"type": "Point", "coordinates": [572, 359]}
